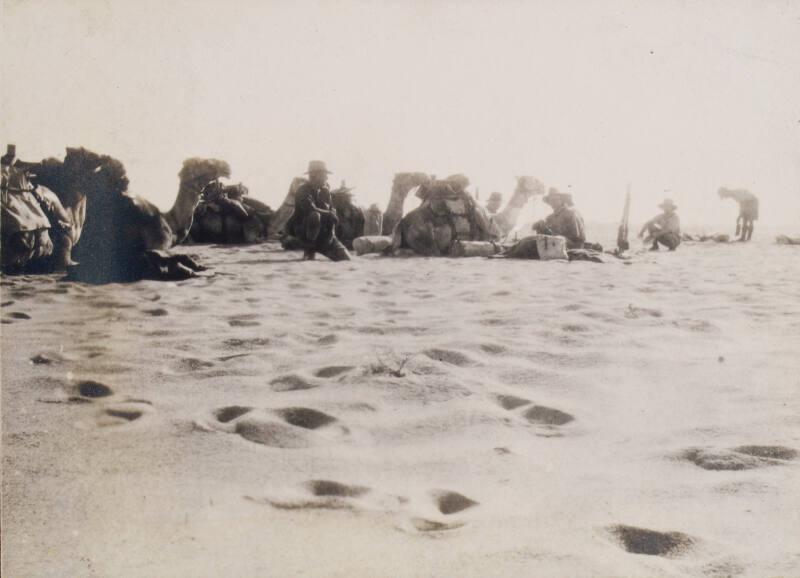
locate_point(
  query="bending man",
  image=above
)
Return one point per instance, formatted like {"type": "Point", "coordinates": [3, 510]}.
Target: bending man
{"type": "Point", "coordinates": [748, 211]}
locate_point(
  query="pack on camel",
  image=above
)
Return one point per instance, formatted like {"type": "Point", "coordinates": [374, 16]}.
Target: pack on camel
{"type": "Point", "coordinates": [126, 238]}
{"type": "Point", "coordinates": [351, 216]}
{"type": "Point", "coordinates": [228, 215]}
{"type": "Point", "coordinates": [44, 209]}
{"type": "Point", "coordinates": [448, 217]}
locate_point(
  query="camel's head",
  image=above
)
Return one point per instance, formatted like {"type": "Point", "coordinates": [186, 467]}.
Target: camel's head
{"type": "Point", "coordinates": [407, 181]}
{"type": "Point", "coordinates": [725, 193]}
{"type": "Point", "coordinates": [197, 173]}
{"type": "Point", "coordinates": [529, 187]}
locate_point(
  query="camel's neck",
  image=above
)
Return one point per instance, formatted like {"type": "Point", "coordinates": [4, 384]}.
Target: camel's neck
{"type": "Point", "coordinates": [506, 219]}
{"type": "Point", "coordinates": [394, 210]}
{"type": "Point", "coordinates": [179, 217]}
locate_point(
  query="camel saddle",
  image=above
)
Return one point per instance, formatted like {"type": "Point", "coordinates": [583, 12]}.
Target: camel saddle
{"type": "Point", "coordinates": [450, 207]}
{"type": "Point", "coordinates": [21, 210]}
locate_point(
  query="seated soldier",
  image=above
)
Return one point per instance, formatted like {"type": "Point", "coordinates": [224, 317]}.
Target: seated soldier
{"type": "Point", "coordinates": [314, 219]}
{"type": "Point", "coordinates": [664, 229]}
{"type": "Point", "coordinates": [222, 199]}
{"type": "Point", "coordinates": [565, 220]}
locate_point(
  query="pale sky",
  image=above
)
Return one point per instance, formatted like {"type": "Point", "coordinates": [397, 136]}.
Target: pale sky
{"type": "Point", "coordinates": [676, 97]}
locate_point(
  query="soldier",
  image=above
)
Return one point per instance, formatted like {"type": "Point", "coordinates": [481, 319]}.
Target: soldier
{"type": "Point", "coordinates": [314, 219]}
{"type": "Point", "coordinates": [748, 211]}
{"type": "Point", "coordinates": [565, 220]}
{"type": "Point", "coordinates": [664, 229]}
{"type": "Point", "coordinates": [494, 203]}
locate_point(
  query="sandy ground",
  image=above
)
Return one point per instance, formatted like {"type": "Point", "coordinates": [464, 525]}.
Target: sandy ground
{"type": "Point", "coordinates": [407, 417]}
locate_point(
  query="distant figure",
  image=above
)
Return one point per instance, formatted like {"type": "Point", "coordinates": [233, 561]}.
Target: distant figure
{"type": "Point", "coordinates": [373, 220]}
{"type": "Point", "coordinates": [664, 229]}
{"type": "Point", "coordinates": [565, 220]}
{"type": "Point", "coordinates": [748, 210]}
{"type": "Point", "coordinates": [494, 203]}
{"type": "Point", "coordinates": [314, 219]}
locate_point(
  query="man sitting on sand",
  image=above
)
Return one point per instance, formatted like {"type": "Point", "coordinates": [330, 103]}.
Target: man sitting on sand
{"type": "Point", "coordinates": [748, 211]}
{"type": "Point", "coordinates": [314, 219]}
{"type": "Point", "coordinates": [664, 229]}
{"type": "Point", "coordinates": [565, 220]}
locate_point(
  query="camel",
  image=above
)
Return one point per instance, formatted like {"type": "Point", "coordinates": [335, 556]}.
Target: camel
{"type": "Point", "coordinates": [277, 224]}
{"type": "Point", "coordinates": [526, 189]}
{"type": "Point", "coordinates": [401, 186]}
{"type": "Point", "coordinates": [229, 217]}
{"type": "Point", "coordinates": [44, 209]}
{"type": "Point", "coordinates": [126, 238]}
{"type": "Point", "coordinates": [351, 216]}
{"type": "Point", "coordinates": [448, 214]}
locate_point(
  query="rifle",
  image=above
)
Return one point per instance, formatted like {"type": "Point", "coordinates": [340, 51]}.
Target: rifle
{"type": "Point", "coordinates": [622, 232]}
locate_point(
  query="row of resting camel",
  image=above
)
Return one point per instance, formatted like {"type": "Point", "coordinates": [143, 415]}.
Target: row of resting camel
{"type": "Point", "coordinates": [112, 235]}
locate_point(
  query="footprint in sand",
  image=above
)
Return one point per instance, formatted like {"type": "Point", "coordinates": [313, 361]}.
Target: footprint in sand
{"type": "Point", "coordinates": [510, 402]}
{"type": "Point", "coordinates": [18, 315]}
{"type": "Point", "coordinates": [633, 312]}
{"type": "Point", "coordinates": [333, 370]}
{"type": "Point", "coordinates": [291, 382]}
{"type": "Point", "coordinates": [286, 428]}
{"type": "Point", "coordinates": [243, 323]}
{"type": "Point", "coordinates": [252, 343]}
{"type": "Point", "coordinates": [542, 415]}
{"type": "Point", "coordinates": [192, 364]}
{"type": "Point", "coordinates": [740, 458]}
{"type": "Point", "coordinates": [90, 390]}
{"type": "Point", "coordinates": [493, 348]}
{"type": "Point", "coordinates": [652, 543]}
{"type": "Point", "coordinates": [86, 391]}
{"type": "Point", "coordinates": [320, 494]}
{"type": "Point", "coordinates": [230, 413]}
{"type": "Point", "coordinates": [450, 357]}
{"type": "Point", "coordinates": [334, 495]}
{"type": "Point", "coordinates": [538, 414]}
{"type": "Point", "coordinates": [120, 414]}
{"type": "Point", "coordinates": [447, 503]}
{"type": "Point", "coordinates": [156, 312]}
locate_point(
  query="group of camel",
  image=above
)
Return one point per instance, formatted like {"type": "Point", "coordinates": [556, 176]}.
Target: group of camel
{"type": "Point", "coordinates": [113, 235]}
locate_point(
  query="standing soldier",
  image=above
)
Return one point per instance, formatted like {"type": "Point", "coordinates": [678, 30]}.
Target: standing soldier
{"type": "Point", "coordinates": [748, 210]}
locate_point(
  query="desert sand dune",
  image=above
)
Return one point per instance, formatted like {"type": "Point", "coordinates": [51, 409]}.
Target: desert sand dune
{"type": "Point", "coordinates": [407, 417]}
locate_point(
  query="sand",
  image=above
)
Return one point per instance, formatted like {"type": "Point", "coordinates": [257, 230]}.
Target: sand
{"type": "Point", "coordinates": [407, 417]}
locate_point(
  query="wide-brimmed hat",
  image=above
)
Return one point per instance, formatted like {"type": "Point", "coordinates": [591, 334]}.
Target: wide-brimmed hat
{"type": "Point", "coordinates": [554, 193]}
{"type": "Point", "coordinates": [317, 167]}
{"type": "Point", "coordinates": [668, 204]}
